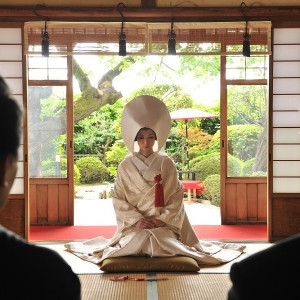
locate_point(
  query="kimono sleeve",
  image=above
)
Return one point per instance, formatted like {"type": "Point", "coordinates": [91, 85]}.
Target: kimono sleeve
{"type": "Point", "coordinates": [173, 212]}
{"type": "Point", "coordinates": [126, 214]}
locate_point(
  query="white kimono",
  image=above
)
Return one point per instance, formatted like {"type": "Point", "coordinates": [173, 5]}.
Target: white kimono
{"type": "Point", "coordinates": [133, 199]}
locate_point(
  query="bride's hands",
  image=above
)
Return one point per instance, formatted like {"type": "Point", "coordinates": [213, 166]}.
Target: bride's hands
{"type": "Point", "coordinates": [158, 223]}
{"type": "Point", "coordinates": [149, 224]}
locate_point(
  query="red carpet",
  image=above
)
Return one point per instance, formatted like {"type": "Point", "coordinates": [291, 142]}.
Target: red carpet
{"type": "Point", "coordinates": [56, 233]}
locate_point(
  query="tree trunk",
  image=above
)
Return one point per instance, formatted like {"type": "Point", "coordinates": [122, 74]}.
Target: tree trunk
{"type": "Point", "coordinates": [261, 153]}
{"type": "Point", "coordinates": [91, 99]}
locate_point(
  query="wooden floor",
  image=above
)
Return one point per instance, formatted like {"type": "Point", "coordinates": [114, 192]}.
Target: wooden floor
{"type": "Point", "coordinates": [175, 286]}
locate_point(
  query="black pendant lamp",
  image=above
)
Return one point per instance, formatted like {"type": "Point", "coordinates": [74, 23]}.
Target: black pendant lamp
{"type": "Point", "coordinates": [122, 35]}
{"type": "Point", "coordinates": [45, 35]}
{"type": "Point", "coordinates": [246, 35]}
{"type": "Point", "coordinates": [172, 40]}
{"type": "Point", "coordinates": [45, 42]}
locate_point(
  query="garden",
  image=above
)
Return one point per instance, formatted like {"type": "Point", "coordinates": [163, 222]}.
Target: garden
{"type": "Point", "coordinates": [102, 87]}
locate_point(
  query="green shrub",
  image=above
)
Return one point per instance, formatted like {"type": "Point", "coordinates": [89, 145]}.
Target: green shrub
{"type": "Point", "coordinates": [92, 170]}
{"type": "Point", "coordinates": [241, 140]}
{"type": "Point", "coordinates": [258, 174]}
{"type": "Point", "coordinates": [210, 165]}
{"type": "Point", "coordinates": [207, 166]}
{"type": "Point", "coordinates": [248, 167]}
{"type": "Point", "coordinates": [234, 166]}
{"type": "Point", "coordinates": [49, 168]}
{"type": "Point", "coordinates": [212, 189]}
{"type": "Point", "coordinates": [77, 175]}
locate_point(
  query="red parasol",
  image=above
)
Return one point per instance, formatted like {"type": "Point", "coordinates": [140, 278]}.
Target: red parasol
{"type": "Point", "coordinates": [188, 114]}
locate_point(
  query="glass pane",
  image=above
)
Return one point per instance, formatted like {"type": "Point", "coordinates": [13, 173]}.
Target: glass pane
{"type": "Point", "coordinates": [37, 62]}
{"type": "Point", "coordinates": [47, 131]}
{"type": "Point", "coordinates": [239, 67]}
{"type": "Point", "coordinates": [58, 74]}
{"type": "Point", "coordinates": [247, 131]}
{"type": "Point", "coordinates": [38, 74]}
{"type": "Point", "coordinates": [47, 68]}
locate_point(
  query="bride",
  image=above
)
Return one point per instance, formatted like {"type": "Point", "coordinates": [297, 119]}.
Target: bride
{"type": "Point", "coordinates": [148, 198]}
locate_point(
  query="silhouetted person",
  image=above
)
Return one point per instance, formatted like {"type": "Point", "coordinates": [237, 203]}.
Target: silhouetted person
{"type": "Point", "coordinates": [27, 271]}
{"type": "Point", "coordinates": [269, 274]}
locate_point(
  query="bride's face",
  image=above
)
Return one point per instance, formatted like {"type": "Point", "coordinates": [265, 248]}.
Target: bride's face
{"type": "Point", "coordinates": [146, 140]}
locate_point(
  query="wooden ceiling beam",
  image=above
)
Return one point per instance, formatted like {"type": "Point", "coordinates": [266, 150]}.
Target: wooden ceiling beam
{"type": "Point", "coordinates": [149, 14]}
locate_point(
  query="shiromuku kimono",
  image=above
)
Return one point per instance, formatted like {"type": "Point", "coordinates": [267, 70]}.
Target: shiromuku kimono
{"type": "Point", "coordinates": [133, 199]}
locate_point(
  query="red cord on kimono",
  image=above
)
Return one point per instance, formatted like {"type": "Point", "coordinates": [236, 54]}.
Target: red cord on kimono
{"type": "Point", "coordinates": [159, 192]}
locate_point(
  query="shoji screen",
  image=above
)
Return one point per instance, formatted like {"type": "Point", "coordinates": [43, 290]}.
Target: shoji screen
{"type": "Point", "coordinates": [286, 132]}
{"type": "Point", "coordinates": [286, 111]}
{"type": "Point", "coordinates": [11, 69]}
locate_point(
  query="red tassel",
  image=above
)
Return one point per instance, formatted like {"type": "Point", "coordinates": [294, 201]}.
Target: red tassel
{"type": "Point", "coordinates": [159, 192]}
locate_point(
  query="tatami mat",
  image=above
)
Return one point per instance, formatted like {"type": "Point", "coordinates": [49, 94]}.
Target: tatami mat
{"type": "Point", "coordinates": [210, 283]}
{"type": "Point", "coordinates": [193, 286]}
{"type": "Point", "coordinates": [182, 286]}
{"type": "Point", "coordinates": [101, 287]}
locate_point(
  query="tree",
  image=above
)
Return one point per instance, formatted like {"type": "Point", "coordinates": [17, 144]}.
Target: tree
{"type": "Point", "coordinates": [247, 105]}
{"type": "Point", "coordinates": [92, 98]}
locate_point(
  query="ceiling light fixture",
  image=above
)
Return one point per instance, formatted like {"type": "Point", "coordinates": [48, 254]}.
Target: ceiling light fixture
{"type": "Point", "coordinates": [172, 40]}
{"type": "Point", "coordinates": [122, 35]}
{"type": "Point", "coordinates": [246, 35]}
{"type": "Point", "coordinates": [45, 35]}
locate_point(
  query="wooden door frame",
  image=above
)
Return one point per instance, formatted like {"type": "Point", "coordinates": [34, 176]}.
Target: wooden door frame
{"type": "Point", "coordinates": [68, 84]}
{"type": "Point", "coordinates": [224, 180]}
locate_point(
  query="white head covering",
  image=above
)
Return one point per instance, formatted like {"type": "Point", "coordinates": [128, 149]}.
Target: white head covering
{"type": "Point", "coordinates": [145, 111]}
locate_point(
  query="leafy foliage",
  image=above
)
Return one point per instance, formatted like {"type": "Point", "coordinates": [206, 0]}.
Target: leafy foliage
{"type": "Point", "coordinates": [242, 141]}
{"type": "Point", "coordinates": [77, 175]}
{"type": "Point", "coordinates": [210, 165]}
{"type": "Point", "coordinates": [101, 129]}
{"type": "Point", "coordinates": [114, 156]}
{"type": "Point", "coordinates": [92, 170]}
{"type": "Point", "coordinates": [247, 105]}
{"type": "Point", "coordinates": [212, 189]}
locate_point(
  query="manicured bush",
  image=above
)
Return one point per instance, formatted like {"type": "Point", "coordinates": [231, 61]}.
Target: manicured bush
{"type": "Point", "coordinates": [207, 166]}
{"type": "Point", "coordinates": [234, 166]}
{"type": "Point", "coordinates": [210, 165]}
{"type": "Point", "coordinates": [77, 175]}
{"type": "Point", "coordinates": [241, 140]}
{"type": "Point", "coordinates": [49, 168]}
{"type": "Point", "coordinates": [248, 167]}
{"type": "Point", "coordinates": [114, 156]}
{"type": "Point", "coordinates": [212, 189]}
{"type": "Point", "coordinates": [92, 170]}
{"type": "Point", "coordinates": [259, 174]}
